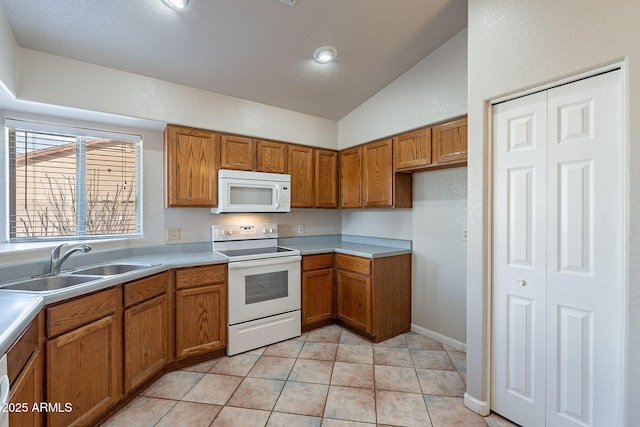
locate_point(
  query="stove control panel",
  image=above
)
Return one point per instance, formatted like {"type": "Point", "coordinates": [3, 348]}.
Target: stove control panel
{"type": "Point", "coordinates": [224, 233]}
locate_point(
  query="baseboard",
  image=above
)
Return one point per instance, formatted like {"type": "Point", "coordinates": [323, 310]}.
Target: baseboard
{"type": "Point", "coordinates": [460, 346]}
{"type": "Point", "coordinates": [480, 407]}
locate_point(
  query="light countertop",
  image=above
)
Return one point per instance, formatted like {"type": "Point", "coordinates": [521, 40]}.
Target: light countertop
{"type": "Point", "coordinates": [18, 309]}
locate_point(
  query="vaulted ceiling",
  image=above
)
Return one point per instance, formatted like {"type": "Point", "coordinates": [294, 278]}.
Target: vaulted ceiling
{"type": "Point", "coordinates": [259, 50]}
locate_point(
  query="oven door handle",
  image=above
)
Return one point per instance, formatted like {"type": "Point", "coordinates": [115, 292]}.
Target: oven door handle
{"type": "Point", "coordinates": [263, 262]}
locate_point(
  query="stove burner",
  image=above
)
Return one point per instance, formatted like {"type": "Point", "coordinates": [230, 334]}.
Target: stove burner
{"type": "Point", "coordinates": [254, 251]}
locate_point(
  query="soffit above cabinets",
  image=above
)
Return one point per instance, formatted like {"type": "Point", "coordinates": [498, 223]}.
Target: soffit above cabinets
{"type": "Point", "coordinates": [255, 50]}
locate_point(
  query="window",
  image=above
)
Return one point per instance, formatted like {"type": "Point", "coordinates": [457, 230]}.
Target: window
{"type": "Point", "coordinates": [72, 182]}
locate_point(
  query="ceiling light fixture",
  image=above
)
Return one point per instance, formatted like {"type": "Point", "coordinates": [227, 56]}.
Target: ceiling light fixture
{"type": "Point", "coordinates": [325, 54]}
{"type": "Point", "coordinates": [176, 4]}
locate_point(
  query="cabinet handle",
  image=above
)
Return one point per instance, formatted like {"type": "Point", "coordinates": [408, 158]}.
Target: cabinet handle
{"type": "Point", "coordinates": [521, 282]}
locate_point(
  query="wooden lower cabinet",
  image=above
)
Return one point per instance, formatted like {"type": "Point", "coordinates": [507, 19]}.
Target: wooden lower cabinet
{"type": "Point", "coordinates": [374, 295]}
{"type": "Point", "coordinates": [25, 363]}
{"type": "Point", "coordinates": [146, 329]}
{"type": "Point", "coordinates": [201, 310]}
{"type": "Point", "coordinates": [26, 392]}
{"type": "Point", "coordinates": [84, 364]}
{"type": "Point", "coordinates": [354, 300]}
{"type": "Point", "coordinates": [318, 300]}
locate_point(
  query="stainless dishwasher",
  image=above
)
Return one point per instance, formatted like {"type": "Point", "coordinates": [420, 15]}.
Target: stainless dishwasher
{"type": "Point", "coordinates": [4, 393]}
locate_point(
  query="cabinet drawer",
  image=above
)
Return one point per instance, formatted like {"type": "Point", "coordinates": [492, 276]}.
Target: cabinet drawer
{"type": "Point", "coordinates": [21, 350]}
{"type": "Point", "coordinates": [201, 276]}
{"type": "Point", "coordinates": [317, 262]}
{"type": "Point", "coordinates": [74, 314]}
{"type": "Point", "coordinates": [144, 289]}
{"type": "Point", "coordinates": [353, 263]}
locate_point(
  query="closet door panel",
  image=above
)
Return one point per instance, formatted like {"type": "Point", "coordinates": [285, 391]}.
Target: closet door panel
{"type": "Point", "coordinates": [518, 376]}
{"type": "Point", "coordinates": [585, 276]}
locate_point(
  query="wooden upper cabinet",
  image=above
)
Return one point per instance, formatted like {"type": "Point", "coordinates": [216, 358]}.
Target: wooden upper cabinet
{"type": "Point", "coordinates": [272, 157]}
{"type": "Point", "coordinates": [237, 152]}
{"type": "Point", "coordinates": [190, 167]}
{"type": "Point", "coordinates": [326, 179]}
{"type": "Point", "coordinates": [450, 142]}
{"type": "Point", "coordinates": [301, 171]}
{"type": "Point", "coordinates": [350, 178]}
{"type": "Point", "coordinates": [377, 174]}
{"type": "Point", "coordinates": [412, 150]}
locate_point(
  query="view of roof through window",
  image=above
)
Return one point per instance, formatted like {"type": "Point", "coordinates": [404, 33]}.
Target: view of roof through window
{"type": "Point", "coordinates": [72, 186]}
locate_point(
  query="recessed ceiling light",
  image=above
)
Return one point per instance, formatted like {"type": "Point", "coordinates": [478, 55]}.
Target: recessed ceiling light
{"type": "Point", "coordinates": [325, 54]}
{"type": "Point", "coordinates": [176, 4]}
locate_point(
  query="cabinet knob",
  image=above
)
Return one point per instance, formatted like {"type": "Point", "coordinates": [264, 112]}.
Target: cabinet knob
{"type": "Point", "coordinates": [521, 282]}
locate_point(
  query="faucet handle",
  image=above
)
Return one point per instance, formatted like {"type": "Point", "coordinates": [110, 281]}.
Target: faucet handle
{"type": "Point", "coordinates": [55, 253]}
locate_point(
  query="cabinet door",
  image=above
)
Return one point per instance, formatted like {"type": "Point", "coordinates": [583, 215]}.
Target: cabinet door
{"type": "Point", "coordinates": [84, 369]}
{"type": "Point", "coordinates": [237, 152]}
{"type": "Point", "coordinates": [190, 163]}
{"type": "Point", "coordinates": [354, 300]}
{"type": "Point", "coordinates": [201, 320]}
{"type": "Point", "coordinates": [146, 340]}
{"type": "Point", "coordinates": [272, 157]}
{"type": "Point", "coordinates": [28, 390]}
{"type": "Point", "coordinates": [301, 171]}
{"type": "Point", "coordinates": [377, 185]}
{"type": "Point", "coordinates": [326, 179]}
{"type": "Point", "coordinates": [450, 142]}
{"type": "Point", "coordinates": [412, 150]}
{"type": "Point", "coordinates": [350, 178]}
{"type": "Point", "coordinates": [317, 297]}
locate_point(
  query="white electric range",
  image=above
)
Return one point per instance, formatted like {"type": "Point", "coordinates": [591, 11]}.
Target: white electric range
{"type": "Point", "coordinates": [264, 286]}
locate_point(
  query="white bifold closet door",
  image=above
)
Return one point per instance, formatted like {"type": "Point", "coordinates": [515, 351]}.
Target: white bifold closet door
{"type": "Point", "coordinates": [558, 255]}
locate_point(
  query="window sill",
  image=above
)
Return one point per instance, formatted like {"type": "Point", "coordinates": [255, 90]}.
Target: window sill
{"type": "Point", "coordinates": [11, 253]}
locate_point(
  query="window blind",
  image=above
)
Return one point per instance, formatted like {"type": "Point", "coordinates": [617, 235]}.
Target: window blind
{"type": "Point", "coordinates": [71, 184]}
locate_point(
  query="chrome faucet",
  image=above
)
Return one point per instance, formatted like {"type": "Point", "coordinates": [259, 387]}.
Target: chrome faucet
{"type": "Point", "coordinates": [56, 260]}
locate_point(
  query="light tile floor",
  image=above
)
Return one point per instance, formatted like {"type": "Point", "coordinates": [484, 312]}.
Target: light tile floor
{"type": "Point", "coordinates": [328, 377]}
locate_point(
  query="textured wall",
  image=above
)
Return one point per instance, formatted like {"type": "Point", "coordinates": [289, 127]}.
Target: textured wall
{"type": "Point", "coordinates": [515, 46]}
{"type": "Point", "coordinates": [51, 79]}
{"type": "Point", "coordinates": [433, 90]}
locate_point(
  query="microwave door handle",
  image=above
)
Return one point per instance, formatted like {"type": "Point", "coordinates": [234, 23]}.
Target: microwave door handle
{"type": "Point", "coordinates": [277, 197]}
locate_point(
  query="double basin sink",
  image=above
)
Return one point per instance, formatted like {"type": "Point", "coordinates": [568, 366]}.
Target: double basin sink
{"type": "Point", "coordinates": [72, 278]}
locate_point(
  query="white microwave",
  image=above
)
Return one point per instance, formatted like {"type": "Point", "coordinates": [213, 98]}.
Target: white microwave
{"type": "Point", "coordinates": [254, 192]}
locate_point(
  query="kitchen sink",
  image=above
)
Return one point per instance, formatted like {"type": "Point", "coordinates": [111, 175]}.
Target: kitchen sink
{"type": "Point", "coordinates": [49, 283]}
{"type": "Point", "coordinates": [110, 269]}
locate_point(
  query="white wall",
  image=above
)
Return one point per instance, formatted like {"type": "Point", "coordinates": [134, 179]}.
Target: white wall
{"type": "Point", "coordinates": [514, 46]}
{"type": "Point", "coordinates": [55, 80]}
{"type": "Point", "coordinates": [194, 223]}
{"type": "Point", "coordinates": [432, 91]}
{"type": "Point", "coordinates": [8, 58]}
